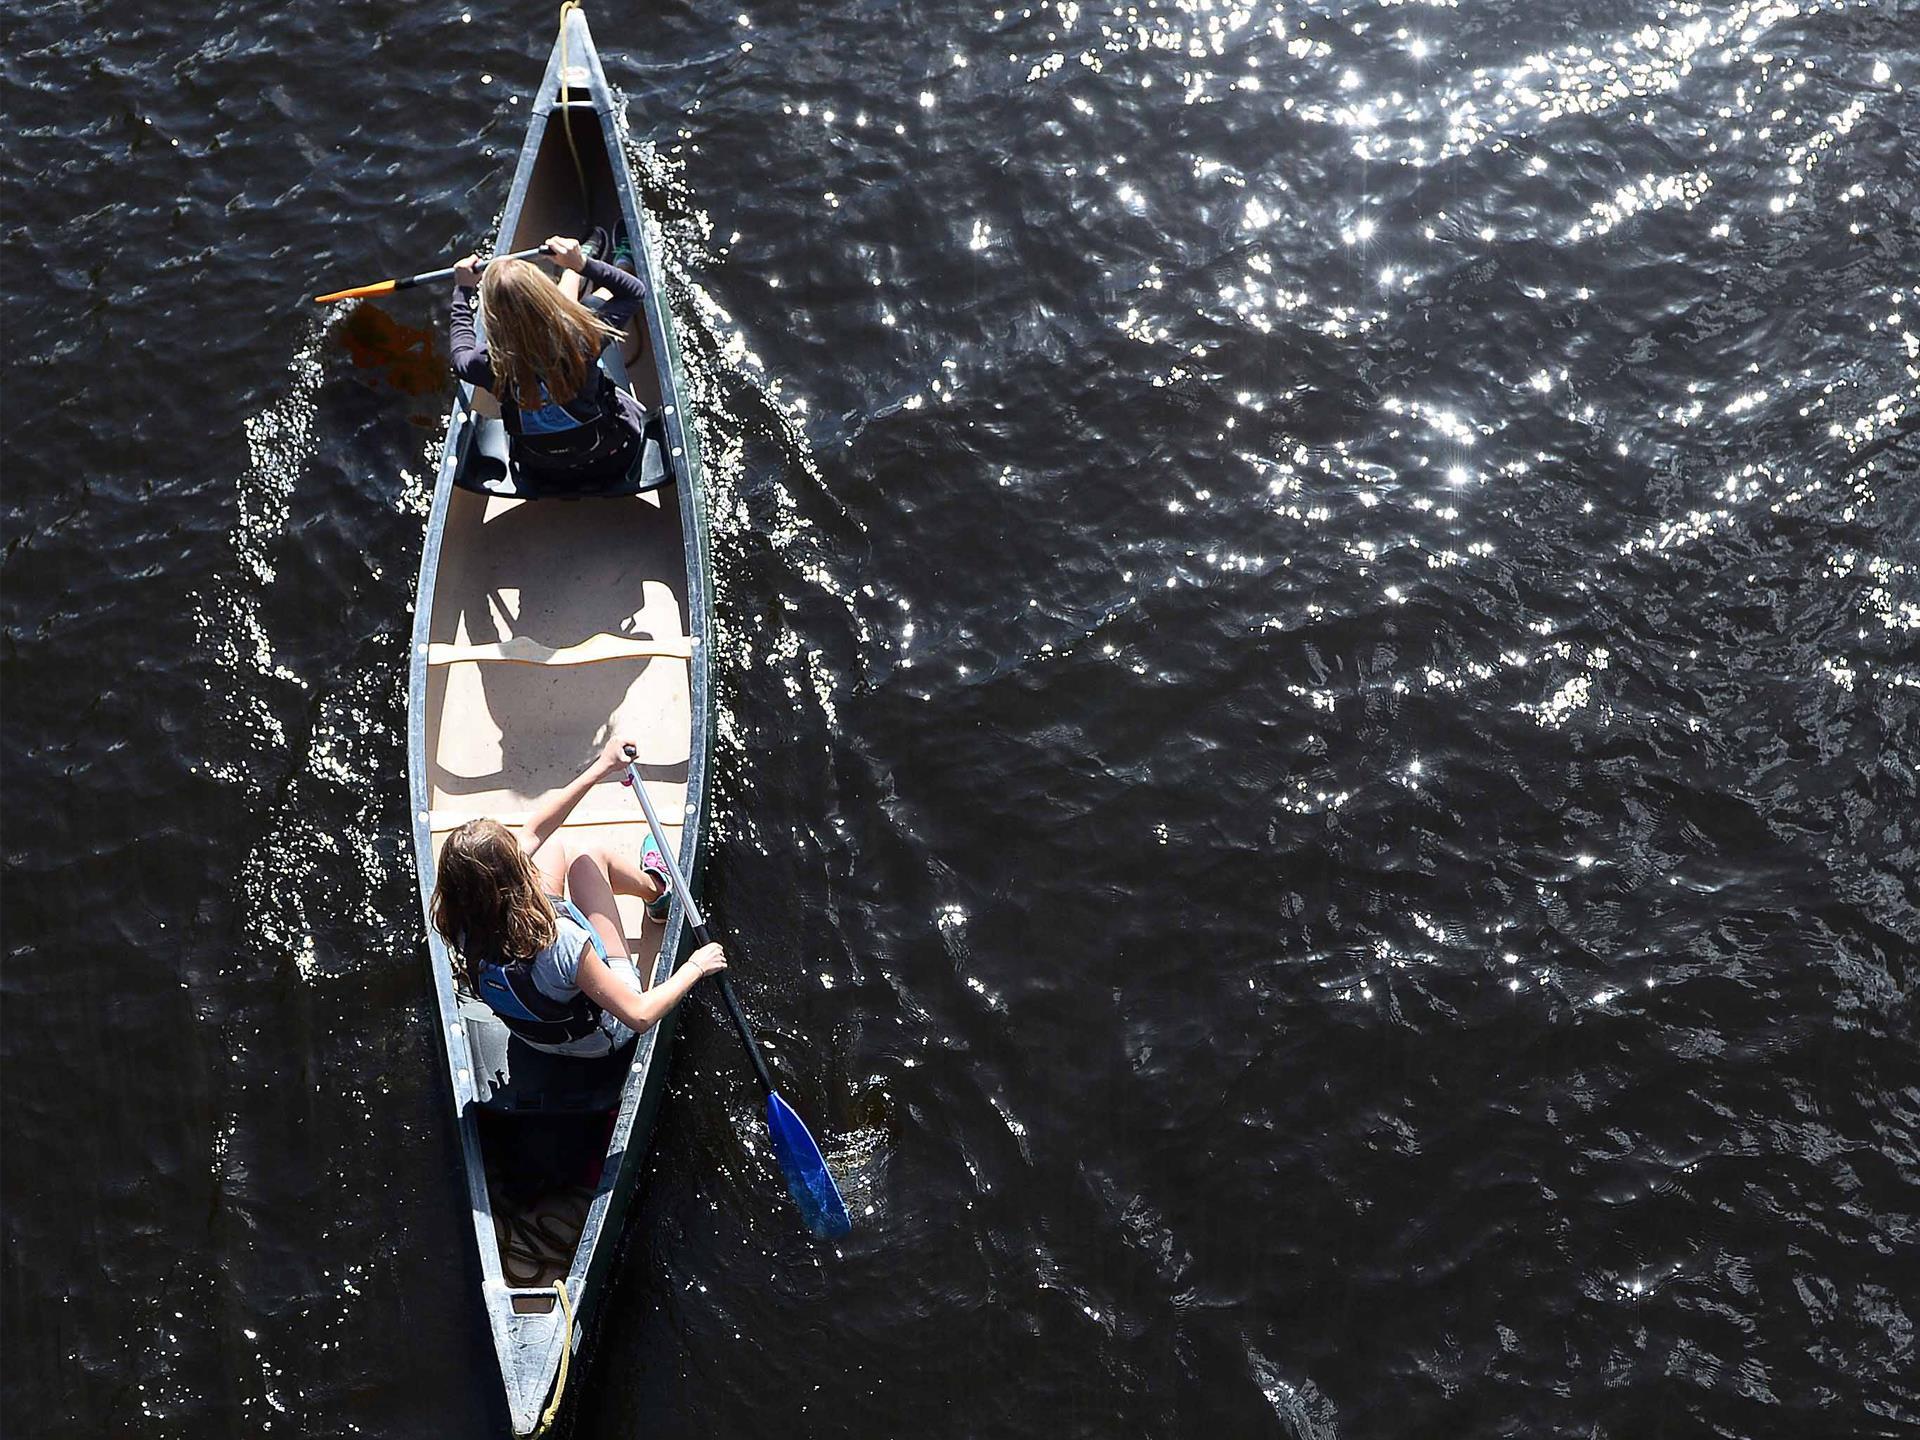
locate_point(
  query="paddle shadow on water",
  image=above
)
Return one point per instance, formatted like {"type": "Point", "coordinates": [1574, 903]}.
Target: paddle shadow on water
{"type": "Point", "coordinates": [407, 358]}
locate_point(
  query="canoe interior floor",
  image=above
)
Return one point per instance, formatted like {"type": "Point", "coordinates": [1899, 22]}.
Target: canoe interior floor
{"type": "Point", "coordinates": [542, 1174]}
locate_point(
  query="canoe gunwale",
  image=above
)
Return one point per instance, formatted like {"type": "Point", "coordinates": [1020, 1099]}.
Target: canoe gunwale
{"type": "Point", "coordinates": [524, 1343]}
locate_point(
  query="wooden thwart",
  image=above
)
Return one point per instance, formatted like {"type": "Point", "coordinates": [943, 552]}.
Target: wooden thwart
{"type": "Point", "coordinates": [590, 651]}
{"type": "Point", "coordinates": [441, 821]}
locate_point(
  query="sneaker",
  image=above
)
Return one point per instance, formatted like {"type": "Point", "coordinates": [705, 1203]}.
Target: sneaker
{"type": "Point", "coordinates": [622, 257]}
{"type": "Point", "coordinates": [655, 864]}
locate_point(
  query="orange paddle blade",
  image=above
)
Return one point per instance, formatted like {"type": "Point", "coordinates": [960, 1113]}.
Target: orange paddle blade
{"type": "Point", "coordinates": [354, 294]}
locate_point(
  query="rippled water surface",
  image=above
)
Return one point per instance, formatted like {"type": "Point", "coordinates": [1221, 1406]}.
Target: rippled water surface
{"type": "Point", "coordinates": [1321, 688]}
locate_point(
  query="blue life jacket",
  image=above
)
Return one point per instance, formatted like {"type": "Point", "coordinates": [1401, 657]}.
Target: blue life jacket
{"type": "Point", "coordinates": [507, 988]}
{"type": "Point", "coordinates": [586, 431]}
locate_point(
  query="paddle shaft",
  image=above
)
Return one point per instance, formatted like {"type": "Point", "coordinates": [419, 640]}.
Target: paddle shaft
{"type": "Point", "coordinates": [429, 276]}
{"type": "Point", "coordinates": [387, 287]}
{"type": "Point", "coordinates": [701, 935]}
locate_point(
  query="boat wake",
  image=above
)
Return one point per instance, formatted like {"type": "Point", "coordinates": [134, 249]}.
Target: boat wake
{"type": "Point", "coordinates": [765, 486]}
{"type": "Point", "coordinates": [304, 740]}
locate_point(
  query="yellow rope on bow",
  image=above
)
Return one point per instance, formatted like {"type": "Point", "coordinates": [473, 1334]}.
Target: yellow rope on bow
{"type": "Point", "coordinates": [566, 125]}
{"type": "Point", "coordinates": [566, 1354]}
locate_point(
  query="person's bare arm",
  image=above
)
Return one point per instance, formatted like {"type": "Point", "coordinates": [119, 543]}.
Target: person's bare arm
{"type": "Point", "coordinates": [641, 1011]}
{"type": "Point", "coordinates": [550, 811]}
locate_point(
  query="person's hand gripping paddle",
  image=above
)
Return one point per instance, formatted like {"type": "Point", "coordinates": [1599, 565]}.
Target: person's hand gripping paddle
{"type": "Point", "coordinates": [808, 1180]}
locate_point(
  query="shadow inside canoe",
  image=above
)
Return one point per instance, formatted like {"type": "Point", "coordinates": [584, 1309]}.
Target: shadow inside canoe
{"type": "Point", "coordinates": [556, 572]}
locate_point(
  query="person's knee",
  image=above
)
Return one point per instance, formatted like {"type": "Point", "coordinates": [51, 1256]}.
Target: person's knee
{"type": "Point", "coordinates": [589, 861]}
{"type": "Point", "coordinates": [600, 853]}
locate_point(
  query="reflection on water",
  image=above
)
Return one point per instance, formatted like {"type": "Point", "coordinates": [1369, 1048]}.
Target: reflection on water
{"type": "Point", "coordinates": [1316, 612]}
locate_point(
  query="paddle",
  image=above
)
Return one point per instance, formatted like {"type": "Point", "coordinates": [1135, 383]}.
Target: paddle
{"type": "Point", "coordinates": [425, 277]}
{"type": "Point", "coordinates": [800, 1160]}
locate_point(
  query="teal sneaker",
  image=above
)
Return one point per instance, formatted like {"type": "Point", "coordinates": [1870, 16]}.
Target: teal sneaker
{"type": "Point", "coordinates": [655, 864]}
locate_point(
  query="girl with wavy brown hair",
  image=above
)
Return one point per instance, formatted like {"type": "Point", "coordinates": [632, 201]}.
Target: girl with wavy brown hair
{"type": "Point", "coordinates": [565, 417]}
{"type": "Point", "coordinates": [536, 933]}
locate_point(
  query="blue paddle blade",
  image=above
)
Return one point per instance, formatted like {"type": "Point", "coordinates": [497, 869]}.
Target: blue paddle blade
{"type": "Point", "coordinates": [808, 1182]}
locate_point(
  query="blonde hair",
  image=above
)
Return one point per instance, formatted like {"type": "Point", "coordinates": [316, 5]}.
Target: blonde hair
{"type": "Point", "coordinates": [487, 900]}
{"type": "Point", "coordinates": [536, 334]}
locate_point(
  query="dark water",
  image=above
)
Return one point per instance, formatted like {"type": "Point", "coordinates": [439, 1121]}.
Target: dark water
{"type": "Point", "coordinates": [1321, 694]}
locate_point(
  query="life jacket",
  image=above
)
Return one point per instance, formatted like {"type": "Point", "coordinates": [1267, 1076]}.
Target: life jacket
{"type": "Point", "coordinates": [508, 990]}
{"type": "Point", "coordinates": [585, 432]}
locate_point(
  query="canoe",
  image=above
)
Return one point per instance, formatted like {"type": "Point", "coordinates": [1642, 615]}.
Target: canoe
{"type": "Point", "coordinates": [544, 625]}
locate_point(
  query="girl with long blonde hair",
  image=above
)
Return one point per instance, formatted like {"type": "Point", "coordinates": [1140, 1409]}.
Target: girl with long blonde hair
{"type": "Point", "coordinates": [536, 933]}
{"type": "Point", "coordinates": [566, 418]}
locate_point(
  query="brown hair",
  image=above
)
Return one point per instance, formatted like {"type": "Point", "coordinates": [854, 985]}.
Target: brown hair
{"type": "Point", "coordinates": [487, 901]}
{"type": "Point", "coordinates": [535, 334]}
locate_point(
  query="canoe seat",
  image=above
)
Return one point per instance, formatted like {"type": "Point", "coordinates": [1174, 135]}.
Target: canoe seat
{"type": "Point", "coordinates": [512, 1078]}
{"type": "Point", "coordinates": [595, 648]}
{"type": "Point", "coordinates": [486, 468]}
